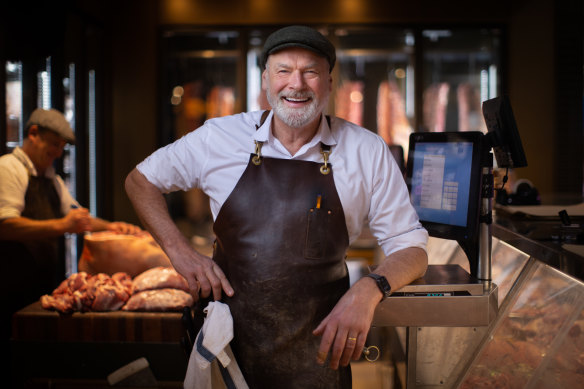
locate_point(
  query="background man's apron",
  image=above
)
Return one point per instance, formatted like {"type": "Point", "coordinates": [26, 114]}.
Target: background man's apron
{"type": "Point", "coordinates": [33, 267]}
{"type": "Point", "coordinates": [281, 241]}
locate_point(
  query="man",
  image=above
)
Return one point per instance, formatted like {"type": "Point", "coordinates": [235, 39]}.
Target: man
{"type": "Point", "coordinates": [36, 210]}
{"type": "Point", "coordinates": [289, 189]}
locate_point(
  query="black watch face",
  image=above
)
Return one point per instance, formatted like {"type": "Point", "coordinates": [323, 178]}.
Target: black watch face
{"type": "Point", "coordinates": [385, 286]}
{"type": "Point", "coordinates": [382, 284]}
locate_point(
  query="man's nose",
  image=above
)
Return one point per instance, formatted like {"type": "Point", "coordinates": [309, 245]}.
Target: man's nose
{"type": "Point", "coordinates": [296, 80]}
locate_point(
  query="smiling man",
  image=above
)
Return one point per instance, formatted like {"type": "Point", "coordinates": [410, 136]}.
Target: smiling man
{"type": "Point", "coordinates": [290, 189]}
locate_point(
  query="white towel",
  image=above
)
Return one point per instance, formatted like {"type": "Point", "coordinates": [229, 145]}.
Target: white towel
{"type": "Point", "coordinates": [211, 346]}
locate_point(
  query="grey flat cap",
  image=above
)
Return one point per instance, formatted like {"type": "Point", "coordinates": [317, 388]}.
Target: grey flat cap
{"type": "Point", "coordinates": [299, 36]}
{"type": "Point", "coordinates": [52, 120]}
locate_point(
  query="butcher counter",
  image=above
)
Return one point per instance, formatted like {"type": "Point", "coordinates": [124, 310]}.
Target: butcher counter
{"type": "Point", "coordinates": [540, 288]}
{"type": "Point", "coordinates": [81, 349]}
{"type": "Point", "coordinates": [536, 339]}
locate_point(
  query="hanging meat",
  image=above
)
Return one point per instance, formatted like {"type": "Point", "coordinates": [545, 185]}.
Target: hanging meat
{"type": "Point", "coordinates": [434, 108]}
{"type": "Point", "coordinates": [392, 121]}
{"type": "Point", "coordinates": [349, 101]}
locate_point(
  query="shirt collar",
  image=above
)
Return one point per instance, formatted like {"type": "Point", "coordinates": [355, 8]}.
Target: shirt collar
{"type": "Point", "coordinates": [26, 161]}
{"type": "Point", "coordinates": [324, 133]}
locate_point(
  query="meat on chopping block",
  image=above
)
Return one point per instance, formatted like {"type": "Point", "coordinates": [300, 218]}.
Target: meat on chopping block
{"type": "Point", "coordinates": [159, 300]}
{"type": "Point", "coordinates": [82, 292]}
{"type": "Point", "coordinates": [109, 252]}
{"type": "Point", "coordinates": [160, 278]}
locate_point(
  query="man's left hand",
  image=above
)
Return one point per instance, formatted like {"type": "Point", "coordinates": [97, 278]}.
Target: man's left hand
{"type": "Point", "coordinates": [344, 331]}
{"type": "Point", "coordinates": [123, 228]}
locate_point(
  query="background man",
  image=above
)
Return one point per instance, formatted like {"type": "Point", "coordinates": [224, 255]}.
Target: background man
{"type": "Point", "coordinates": [36, 210]}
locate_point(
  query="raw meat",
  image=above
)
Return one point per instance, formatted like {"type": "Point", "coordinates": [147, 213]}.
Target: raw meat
{"type": "Point", "coordinates": [160, 278]}
{"type": "Point", "coordinates": [103, 293]}
{"type": "Point", "coordinates": [83, 292]}
{"type": "Point", "coordinates": [64, 303]}
{"type": "Point", "coordinates": [109, 252]}
{"type": "Point", "coordinates": [159, 300]}
{"type": "Point", "coordinates": [158, 289]}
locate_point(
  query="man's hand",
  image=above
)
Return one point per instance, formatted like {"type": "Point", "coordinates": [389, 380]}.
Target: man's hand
{"type": "Point", "coordinates": [203, 275]}
{"type": "Point", "coordinates": [78, 220]}
{"type": "Point", "coordinates": [123, 228]}
{"type": "Point", "coordinates": [344, 331]}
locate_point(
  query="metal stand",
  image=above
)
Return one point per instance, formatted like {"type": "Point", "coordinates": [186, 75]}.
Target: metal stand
{"type": "Point", "coordinates": [486, 220]}
{"type": "Point", "coordinates": [448, 296]}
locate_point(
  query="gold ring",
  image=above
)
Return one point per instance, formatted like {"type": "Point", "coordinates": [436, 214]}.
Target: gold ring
{"type": "Point", "coordinates": [353, 339]}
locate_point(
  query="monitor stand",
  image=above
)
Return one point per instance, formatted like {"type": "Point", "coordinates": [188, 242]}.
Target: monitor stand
{"type": "Point", "coordinates": [447, 295]}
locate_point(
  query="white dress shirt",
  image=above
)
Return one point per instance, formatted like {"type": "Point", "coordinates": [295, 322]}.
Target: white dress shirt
{"type": "Point", "coordinates": [369, 182]}
{"type": "Point", "coordinates": [15, 169]}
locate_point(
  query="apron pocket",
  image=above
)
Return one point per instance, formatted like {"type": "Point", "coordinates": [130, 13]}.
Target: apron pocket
{"type": "Point", "coordinates": [316, 233]}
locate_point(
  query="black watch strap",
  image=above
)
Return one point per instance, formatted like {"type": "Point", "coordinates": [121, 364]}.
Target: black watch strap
{"type": "Point", "coordinates": [382, 284]}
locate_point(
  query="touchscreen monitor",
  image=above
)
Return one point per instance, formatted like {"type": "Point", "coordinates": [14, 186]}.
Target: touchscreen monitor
{"type": "Point", "coordinates": [444, 180]}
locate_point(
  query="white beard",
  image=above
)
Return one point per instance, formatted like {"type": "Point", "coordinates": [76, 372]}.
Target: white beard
{"type": "Point", "coordinates": [294, 117]}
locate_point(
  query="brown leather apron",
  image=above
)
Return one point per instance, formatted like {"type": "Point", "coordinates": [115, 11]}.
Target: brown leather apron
{"type": "Point", "coordinates": [32, 267]}
{"type": "Point", "coordinates": [281, 241]}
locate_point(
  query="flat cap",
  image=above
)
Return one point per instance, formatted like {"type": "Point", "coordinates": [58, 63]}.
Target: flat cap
{"type": "Point", "coordinates": [299, 36]}
{"type": "Point", "coordinates": [52, 120]}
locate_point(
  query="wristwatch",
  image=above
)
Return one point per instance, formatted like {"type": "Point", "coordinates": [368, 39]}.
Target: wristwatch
{"type": "Point", "coordinates": [382, 284]}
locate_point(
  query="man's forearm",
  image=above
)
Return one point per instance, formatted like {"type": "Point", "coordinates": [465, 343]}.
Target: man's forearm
{"type": "Point", "coordinates": [152, 210]}
{"type": "Point", "coordinates": [403, 267]}
{"type": "Point", "coordinates": [22, 228]}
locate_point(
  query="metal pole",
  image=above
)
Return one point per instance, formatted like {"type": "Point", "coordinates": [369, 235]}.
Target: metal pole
{"type": "Point", "coordinates": [486, 219]}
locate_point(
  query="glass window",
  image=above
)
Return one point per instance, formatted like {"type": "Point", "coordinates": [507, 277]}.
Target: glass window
{"type": "Point", "coordinates": [201, 73]}
{"type": "Point", "coordinates": [14, 119]}
{"type": "Point", "coordinates": [390, 80]}
{"type": "Point", "coordinates": [69, 172]}
{"type": "Point", "coordinates": [44, 86]}
{"type": "Point", "coordinates": [460, 71]}
{"type": "Point", "coordinates": [375, 80]}
{"type": "Point", "coordinates": [202, 78]}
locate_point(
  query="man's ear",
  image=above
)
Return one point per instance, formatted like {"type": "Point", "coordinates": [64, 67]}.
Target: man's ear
{"type": "Point", "coordinates": [264, 78]}
{"type": "Point", "coordinates": [33, 131]}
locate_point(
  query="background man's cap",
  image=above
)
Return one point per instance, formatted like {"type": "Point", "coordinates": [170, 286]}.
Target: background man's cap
{"type": "Point", "coordinates": [299, 36]}
{"type": "Point", "coordinates": [52, 120]}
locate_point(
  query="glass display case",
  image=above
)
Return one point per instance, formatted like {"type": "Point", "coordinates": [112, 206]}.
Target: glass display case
{"type": "Point", "coordinates": [441, 352]}
{"type": "Point", "coordinates": [537, 340]}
